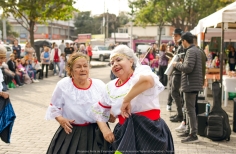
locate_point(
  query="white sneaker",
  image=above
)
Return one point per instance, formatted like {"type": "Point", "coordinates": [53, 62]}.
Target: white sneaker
{"type": "Point", "coordinates": [34, 81]}
{"type": "Point", "coordinates": [168, 108]}
{"type": "Point", "coordinates": [181, 128]}
{"type": "Point", "coordinates": [55, 74]}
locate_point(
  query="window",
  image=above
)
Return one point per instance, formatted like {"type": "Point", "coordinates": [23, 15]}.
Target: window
{"type": "Point", "coordinates": [123, 30]}
{"type": "Point", "coordinates": [103, 48]}
{"type": "Point", "coordinates": [163, 31]}
{"type": "Point", "coordinates": [56, 31]}
{"type": "Point", "coordinates": [62, 31]}
{"type": "Point", "coordinates": [41, 29]}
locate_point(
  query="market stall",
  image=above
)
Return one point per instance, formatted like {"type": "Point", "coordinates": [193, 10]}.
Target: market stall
{"type": "Point", "coordinates": [225, 19]}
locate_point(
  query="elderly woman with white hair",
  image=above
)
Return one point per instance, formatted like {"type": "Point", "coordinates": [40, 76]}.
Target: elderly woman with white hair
{"type": "Point", "coordinates": [82, 49]}
{"type": "Point", "coordinates": [7, 115]}
{"type": "Point", "coordinates": [134, 98]}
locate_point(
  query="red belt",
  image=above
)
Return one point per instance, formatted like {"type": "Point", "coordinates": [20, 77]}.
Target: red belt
{"type": "Point", "coordinates": [150, 114]}
{"type": "Point", "coordinates": [85, 124]}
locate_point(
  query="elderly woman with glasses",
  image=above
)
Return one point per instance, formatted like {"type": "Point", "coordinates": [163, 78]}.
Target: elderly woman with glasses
{"type": "Point", "coordinates": [134, 99]}
{"type": "Point", "coordinates": [71, 99]}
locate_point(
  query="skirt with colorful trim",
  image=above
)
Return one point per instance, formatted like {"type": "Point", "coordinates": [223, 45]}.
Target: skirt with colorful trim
{"type": "Point", "coordinates": [141, 135]}
{"type": "Point", "coordinates": [83, 139]}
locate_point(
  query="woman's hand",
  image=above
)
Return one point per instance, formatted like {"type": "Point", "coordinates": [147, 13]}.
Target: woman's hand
{"type": "Point", "coordinates": [112, 119]}
{"type": "Point", "coordinates": [108, 135]}
{"type": "Point", "coordinates": [5, 95]}
{"type": "Point", "coordinates": [125, 108]}
{"type": "Point", "coordinates": [66, 124]}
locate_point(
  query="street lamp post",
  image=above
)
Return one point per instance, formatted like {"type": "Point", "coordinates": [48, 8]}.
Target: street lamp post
{"type": "Point", "coordinates": [68, 37]}
{"type": "Point", "coordinates": [131, 25]}
{"type": "Point", "coordinates": [131, 33]}
{"type": "Point", "coordinates": [4, 29]}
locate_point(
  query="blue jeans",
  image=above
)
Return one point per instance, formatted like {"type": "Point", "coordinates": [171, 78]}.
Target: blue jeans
{"type": "Point", "coordinates": [56, 64]}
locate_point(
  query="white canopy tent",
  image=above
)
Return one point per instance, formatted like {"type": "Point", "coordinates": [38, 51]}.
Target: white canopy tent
{"type": "Point", "coordinates": [225, 16]}
{"type": "Point", "coordinates": [225, 19]}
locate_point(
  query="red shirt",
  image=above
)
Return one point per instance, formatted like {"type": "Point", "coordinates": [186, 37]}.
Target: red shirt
{"type": "Point", "coordinates": [56, 57]}
{"type": "Point", "coordinates": [89, 50]}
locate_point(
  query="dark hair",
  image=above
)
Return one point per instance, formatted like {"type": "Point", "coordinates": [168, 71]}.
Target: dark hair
{"type": "Point", "coordinates": [188, 37]}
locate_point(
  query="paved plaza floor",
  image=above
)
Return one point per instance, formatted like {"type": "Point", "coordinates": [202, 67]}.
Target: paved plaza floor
{"type": "Point", "coordinates": [32, 134]}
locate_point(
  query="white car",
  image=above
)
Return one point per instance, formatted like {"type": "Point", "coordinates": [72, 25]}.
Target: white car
{"type": "Point", "coordinates": [143, 48]}
{"type": "Point", "coordinates": [9, 50]}
{"type": "Point", "coordinates": [101, 53]}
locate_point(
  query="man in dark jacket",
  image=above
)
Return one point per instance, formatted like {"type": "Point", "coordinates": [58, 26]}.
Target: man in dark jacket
{"type": "Point", "coordinates": [174, 80]}
{"type": "Point", "coordinates": [191, 83]}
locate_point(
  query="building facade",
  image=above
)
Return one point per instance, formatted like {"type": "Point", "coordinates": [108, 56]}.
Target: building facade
{"type": "Point", "coordinates": [55, 30]}
{"type": "Point", "coordinates": [141, 35]}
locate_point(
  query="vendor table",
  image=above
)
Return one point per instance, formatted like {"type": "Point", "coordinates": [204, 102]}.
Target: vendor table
{"type": "Point", "coordinates": [228, 85]}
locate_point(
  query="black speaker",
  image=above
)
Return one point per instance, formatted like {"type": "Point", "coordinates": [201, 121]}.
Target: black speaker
{"type": "Point", "coordinates": [201, 97]}
{"type": "Point", "coordinates": [234, 116]}
{"type": "Point", "coordinates": [202, 123]}
{"type": "Point", "coordinates": [201, 106]}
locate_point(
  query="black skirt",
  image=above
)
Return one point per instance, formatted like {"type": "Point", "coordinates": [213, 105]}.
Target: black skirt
{"type": "Point", "coordinates": [83, 139]}
{"type": "Point", "coordinates": [141, 135]}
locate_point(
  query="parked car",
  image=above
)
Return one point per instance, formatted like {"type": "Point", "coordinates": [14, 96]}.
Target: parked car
{"type": "Point", "coordinates": [101, 53]}
{"type": "Point", "coordinates": [142, 48]}
{"type": "Point", "coordinates": [9, 50]}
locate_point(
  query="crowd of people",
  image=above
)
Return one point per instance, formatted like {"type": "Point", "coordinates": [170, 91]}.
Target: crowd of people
{"type": "Point", "coordinates": [26, 69]}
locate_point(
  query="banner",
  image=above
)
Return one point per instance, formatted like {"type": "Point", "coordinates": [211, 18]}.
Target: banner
{"type": "Point", "coordinates": [215, 44]}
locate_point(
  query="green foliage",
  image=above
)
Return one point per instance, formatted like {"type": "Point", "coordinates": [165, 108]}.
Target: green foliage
{"type": "Point", "coordinates": [183, 14]}
{"type": "Point", "coordinates": [9, 29]}
{"type": "Point", "coordinates": [29, 12]}
{"type": "Point", "coordinates": [85, 23]}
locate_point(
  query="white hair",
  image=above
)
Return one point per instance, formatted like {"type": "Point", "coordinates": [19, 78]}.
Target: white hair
{"type": "Point", "coordinates": [123, 49]}
{"type": "Point", "coordinates": [81, 46]}
{"type": "Point", "coordinates": [3, 49]}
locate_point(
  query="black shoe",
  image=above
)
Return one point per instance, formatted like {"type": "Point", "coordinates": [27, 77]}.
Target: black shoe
{"type": "Point", "coordinates": [177, 119]}
{"type": "Point", "coordinates": [190, 139]}
{"type": "Point", "coordinates": [185, 134]}
{"type": "Point", "coordinates": [173, 116]}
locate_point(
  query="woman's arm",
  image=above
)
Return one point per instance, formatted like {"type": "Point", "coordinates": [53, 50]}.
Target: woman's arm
{"type": "Point", "coordinates": [107, 133]}
{"type": "Point", "coordinates": [144, 83]}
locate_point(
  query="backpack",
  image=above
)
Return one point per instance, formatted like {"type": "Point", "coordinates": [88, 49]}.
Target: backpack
{"type": "Point", "coordinates": [218, 127]}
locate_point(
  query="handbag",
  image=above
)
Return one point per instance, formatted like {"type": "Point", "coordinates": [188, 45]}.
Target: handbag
{"type": "Point", "coordinates": [51, 66]}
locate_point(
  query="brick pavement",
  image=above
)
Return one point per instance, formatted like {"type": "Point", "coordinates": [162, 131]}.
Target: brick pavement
{"type": "Point", "coordinates": [32, 134]}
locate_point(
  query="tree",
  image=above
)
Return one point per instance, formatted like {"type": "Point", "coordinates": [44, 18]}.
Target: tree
{"type": "Point", "coordinates": [8, 29]}
{"type": "Point", "coordinates": [85, 23]}
{"type": "Point", "coordinates": [183, 14]}
{"type": "Point", "coordinates": [186, 14]}
{"type": "Point", "coordinates": [151, 12]}
{"type": "Point", "coordinates": [29, 12]}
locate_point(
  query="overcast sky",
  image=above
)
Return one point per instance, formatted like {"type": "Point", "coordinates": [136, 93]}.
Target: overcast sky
{"type": "Point", "coordinates": [97, 6]}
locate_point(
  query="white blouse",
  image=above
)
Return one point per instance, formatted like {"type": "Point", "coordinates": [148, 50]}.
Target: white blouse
{"type": "Point", "coordinates": [113, 98]}
{"type": "Point", "coordinates": [1, 80]}
{"type": "Point", "coordinates": [73, 103]}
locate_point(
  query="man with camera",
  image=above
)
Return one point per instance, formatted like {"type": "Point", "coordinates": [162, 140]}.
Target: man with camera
{"type": "Point", "coordinates": [175, 79]}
